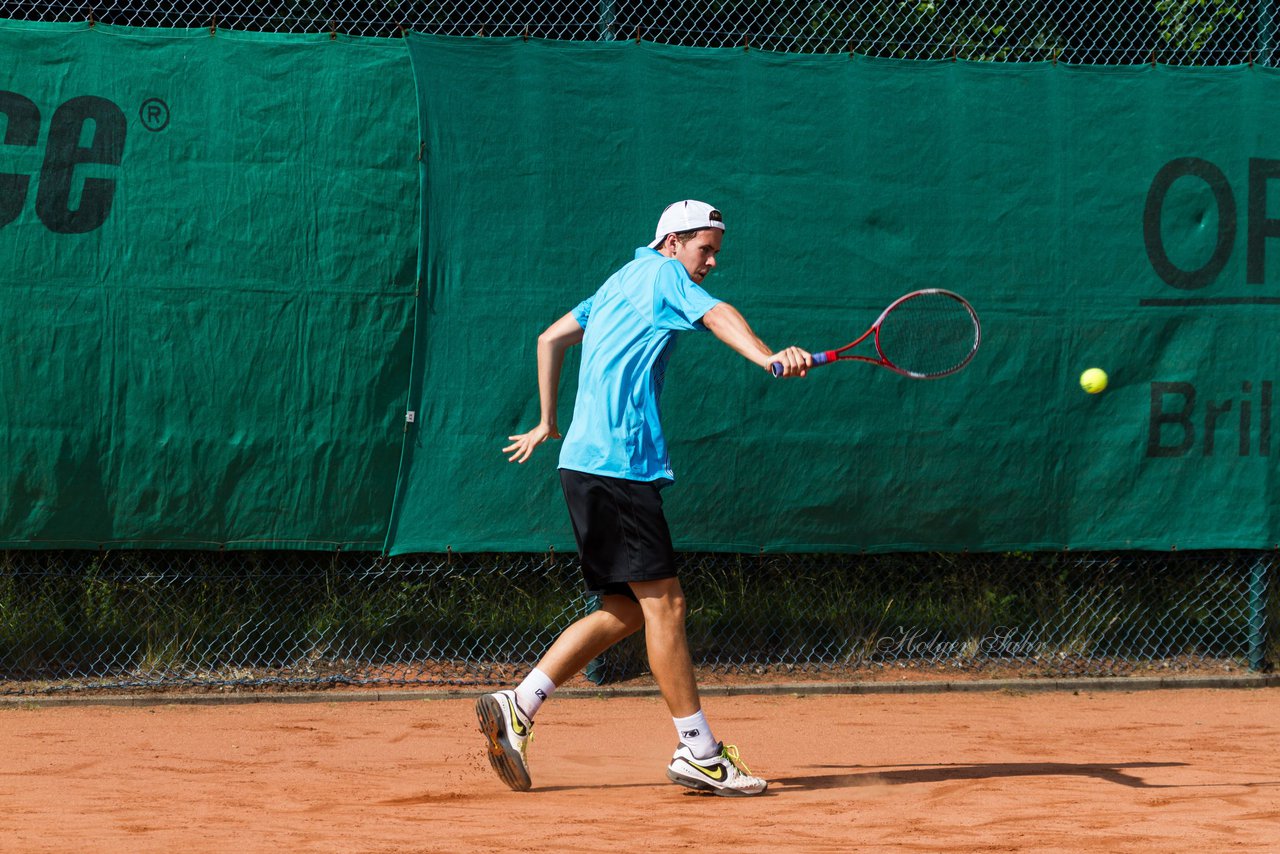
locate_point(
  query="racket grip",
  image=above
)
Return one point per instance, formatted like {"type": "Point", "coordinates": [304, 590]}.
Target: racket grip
{"type": "Point", "coordinates": [818, 359]}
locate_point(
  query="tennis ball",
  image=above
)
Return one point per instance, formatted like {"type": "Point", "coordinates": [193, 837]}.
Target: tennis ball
{"type": "Point", "coordinates": [1093, 380]}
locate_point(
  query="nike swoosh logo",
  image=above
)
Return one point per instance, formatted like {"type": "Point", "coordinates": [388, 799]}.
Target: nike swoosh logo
{"type": "Point", "coordinates": [716, 772]}
{"type": "Point", "coordinates": [517, 726]}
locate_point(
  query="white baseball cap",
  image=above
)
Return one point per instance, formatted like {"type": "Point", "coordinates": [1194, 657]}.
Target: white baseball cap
{"type": "Point", "coordinates": [689, 215]}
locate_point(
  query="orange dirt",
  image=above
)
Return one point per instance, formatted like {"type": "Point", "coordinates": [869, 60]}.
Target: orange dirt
{"type": "Point", "coordinates": [1188, 770]}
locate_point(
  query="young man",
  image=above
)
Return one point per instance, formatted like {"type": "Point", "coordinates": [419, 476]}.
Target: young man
{"type": "Point", "coordinates": [613, 464]}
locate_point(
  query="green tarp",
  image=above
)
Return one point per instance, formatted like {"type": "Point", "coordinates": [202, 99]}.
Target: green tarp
{"type": "Point", "coordinates": [207, 259]}
{"type": "Point", "coordinates": [1095, 217]}
{"type": "Point", "coordinates": [209, 244]}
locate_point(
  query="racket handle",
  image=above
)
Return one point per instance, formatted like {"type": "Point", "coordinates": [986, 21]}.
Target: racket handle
{"type": "Point", "coordinates": [818, 359]}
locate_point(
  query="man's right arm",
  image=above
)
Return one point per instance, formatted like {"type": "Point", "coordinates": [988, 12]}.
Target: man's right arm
{"type": "Point", "coordinates": [728, 324]}
{"type": "Point", "coordinates": [552, 344]}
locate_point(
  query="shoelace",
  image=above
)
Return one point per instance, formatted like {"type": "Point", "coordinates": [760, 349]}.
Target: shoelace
{"type": "Point", "coordinates": [731, 753]}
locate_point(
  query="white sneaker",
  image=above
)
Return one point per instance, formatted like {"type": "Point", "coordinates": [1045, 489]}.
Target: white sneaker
{"type": "Point", "coordinates": [508, 729]}
{"type": "Point", "coordinates": [723, 774]}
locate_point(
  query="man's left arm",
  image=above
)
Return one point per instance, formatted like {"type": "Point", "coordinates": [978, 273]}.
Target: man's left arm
{"type": "Point", "coordinates": [552, 344]}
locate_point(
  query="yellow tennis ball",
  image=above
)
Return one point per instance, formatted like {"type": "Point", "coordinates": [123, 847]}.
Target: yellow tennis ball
{"type": "Point", "coordinates": [1093, 380]}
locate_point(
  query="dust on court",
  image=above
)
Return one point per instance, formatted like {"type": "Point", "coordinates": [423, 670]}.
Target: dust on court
{"type": "Point", "coordinates": [1189, 770]}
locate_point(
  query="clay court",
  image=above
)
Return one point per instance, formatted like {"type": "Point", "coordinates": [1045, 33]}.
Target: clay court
{"type": "Point", "coordinates": [1190, 769]}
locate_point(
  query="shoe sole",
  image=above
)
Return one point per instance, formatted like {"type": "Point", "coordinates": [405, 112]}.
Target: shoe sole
{"type": "Point", "coordinates": [703, 786]}
{"type": "Point", "coordinates": [503, 756]}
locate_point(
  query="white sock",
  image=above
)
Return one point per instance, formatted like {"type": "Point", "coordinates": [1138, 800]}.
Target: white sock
{"type": "Point", "coordinates": [695, 734]}
{"type": "Point", "coordinates": [535, 688]}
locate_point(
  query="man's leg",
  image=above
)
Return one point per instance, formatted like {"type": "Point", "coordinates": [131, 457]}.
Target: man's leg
{"type": "Point", "coordinates": [665, 612]}
{"type": "Point", "coordinates": [507, 724]}
{"type": "Point", "coordinates": [700, 762]}
{"type": "Point", "coordinates": [587, 638]}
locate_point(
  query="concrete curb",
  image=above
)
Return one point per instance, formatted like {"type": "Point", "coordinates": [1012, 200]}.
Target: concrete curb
{"type": "Point", "coordinates": [1012, 686]}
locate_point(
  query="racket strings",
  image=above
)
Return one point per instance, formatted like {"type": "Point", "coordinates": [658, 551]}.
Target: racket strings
{"type": "Point", "coordinates": [929, 335]}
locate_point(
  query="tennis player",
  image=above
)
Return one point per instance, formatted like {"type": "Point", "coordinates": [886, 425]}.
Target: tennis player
{"type": "Point", "coordinates": [613, 466]}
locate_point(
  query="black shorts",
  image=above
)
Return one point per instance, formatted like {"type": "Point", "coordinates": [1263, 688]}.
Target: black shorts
{"type": "Point", "coordinates": [621, 532]}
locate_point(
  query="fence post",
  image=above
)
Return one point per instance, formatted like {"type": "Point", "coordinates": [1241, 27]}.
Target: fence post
{"type": "Point", "coordinates": [597, 671]}
{"type": "Point", "coordinates": [607, 16]}
{"type": "Point", "coordinates": [1266, 27]}
{"type": "Point", "coordinates": [1258, 611]}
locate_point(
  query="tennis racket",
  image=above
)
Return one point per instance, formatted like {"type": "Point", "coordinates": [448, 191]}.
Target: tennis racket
{"type": "Point", "coordinates": [923, 335]}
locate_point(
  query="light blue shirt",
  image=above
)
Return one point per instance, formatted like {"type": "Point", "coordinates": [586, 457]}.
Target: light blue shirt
{"type": "Point", "coordinates": [630, 328]}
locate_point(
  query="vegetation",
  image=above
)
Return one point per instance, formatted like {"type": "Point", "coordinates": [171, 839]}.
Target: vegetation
{"type": "Point", "coordinates": [163, 617]}
{"type": "Point", "coordinates": [1116, 32]}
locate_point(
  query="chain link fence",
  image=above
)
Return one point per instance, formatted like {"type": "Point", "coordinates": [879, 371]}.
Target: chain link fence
{"type": "Point", "coordinates": [75, 620]}
{"type": "Point", "coordinates": [1197, 32]}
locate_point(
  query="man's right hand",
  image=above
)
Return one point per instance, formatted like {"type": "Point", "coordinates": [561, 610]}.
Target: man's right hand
{"type": "Point", "coordinates": [795, 362]}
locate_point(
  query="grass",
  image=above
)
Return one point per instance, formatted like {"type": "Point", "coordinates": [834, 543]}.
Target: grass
{"type": "Point", "coordinates": [159, 617]}
{"type": "Point", "coordinates": [964, 608]}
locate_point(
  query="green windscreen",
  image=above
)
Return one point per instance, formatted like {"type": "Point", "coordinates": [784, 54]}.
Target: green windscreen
{"type": "Point", "coordinates": [209, 270]}
{"type": "Point", "coordinates": [208, 251]}
{"type": "Point", "coordinates": [1123, 218]}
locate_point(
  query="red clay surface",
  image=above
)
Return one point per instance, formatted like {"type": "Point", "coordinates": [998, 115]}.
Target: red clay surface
{"type": "Point", "coordinates": [1188, 770]}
